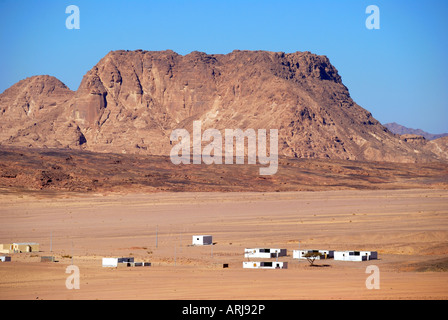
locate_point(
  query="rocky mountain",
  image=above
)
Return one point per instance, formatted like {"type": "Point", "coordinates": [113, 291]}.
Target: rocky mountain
{"type": "Point", "coordinates": [130, 102]}
{"type": "Point", "coordinates": [32, 113]}
{"type": "Point", "coordinates": [399, 129]}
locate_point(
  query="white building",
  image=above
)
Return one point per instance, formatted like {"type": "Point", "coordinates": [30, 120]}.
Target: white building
{"type": "Point", "coordinates": [5, 258]}
{"type": "Point", "coordinates": [110, 262]}
{"type": "Point", "coordinates": [265, 265]}
{"type": "Point", "coordinates": [6, 248]}
{"type": "Point", "coordinates": [202, 240]}
{"type": "Point", "coordinates": [355, 255]}
{"type": "Point", "coordinates": [115, 262]}
{"type": "Point", "coordinates": [264, 253]}
{"type": "Point", "coordinates": [300, 254]}
{"type": "Point", "coordinates": [18, 247]}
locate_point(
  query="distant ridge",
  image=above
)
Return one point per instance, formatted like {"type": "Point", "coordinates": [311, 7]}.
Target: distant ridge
{"type": "Point", "coordinates": [399, 129]}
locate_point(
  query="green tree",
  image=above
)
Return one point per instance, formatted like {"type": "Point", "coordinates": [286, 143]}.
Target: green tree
{"type": "Point", "coordinates": [311, 256]}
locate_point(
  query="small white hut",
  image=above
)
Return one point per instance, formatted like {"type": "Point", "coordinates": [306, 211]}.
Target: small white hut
{"type": "Point", "coordinates": [202, 240]}
{"type": "Point", "coordinates": [110, 262]}
{"type": "Point", "coordinates": [5, 258]}
{"type": "Point", "coordinates": [18, 247]}
{"type": "Point", "coordinates": [116, 262]}
{"type": "Point", "coordinates": [6, 248]}
{"type": "Point", "coordinates": [355, 255]}
{"type": "Point", "coordinates": [265, 265]}
{"type": "Point", "coordinates": [264, 253]}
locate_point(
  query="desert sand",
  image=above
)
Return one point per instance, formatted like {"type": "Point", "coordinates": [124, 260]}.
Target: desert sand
{"type": "Point", "coordinates": [408, 228]}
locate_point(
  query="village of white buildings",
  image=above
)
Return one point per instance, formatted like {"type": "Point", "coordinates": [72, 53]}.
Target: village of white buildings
{"type": "Point", "coordinates": [265, 258]}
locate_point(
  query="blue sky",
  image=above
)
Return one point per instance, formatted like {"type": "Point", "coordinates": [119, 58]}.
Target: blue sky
{"type": "Point", "coordinates": [396, 72]}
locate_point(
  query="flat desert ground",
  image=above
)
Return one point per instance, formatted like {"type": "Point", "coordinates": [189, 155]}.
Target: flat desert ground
{"type": "Point", "coordinates": [408, 229]}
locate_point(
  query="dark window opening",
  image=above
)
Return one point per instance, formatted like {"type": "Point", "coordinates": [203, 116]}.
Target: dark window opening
{"type": "Point", "coordinates": [266, 264]}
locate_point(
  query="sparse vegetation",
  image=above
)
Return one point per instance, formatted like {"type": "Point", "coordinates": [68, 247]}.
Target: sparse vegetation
{"type": "Point", "coordinates": [311, 256]}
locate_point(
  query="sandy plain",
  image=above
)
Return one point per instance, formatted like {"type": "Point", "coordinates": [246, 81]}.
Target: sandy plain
{"type": "Point", "coordinates": [408, 228]}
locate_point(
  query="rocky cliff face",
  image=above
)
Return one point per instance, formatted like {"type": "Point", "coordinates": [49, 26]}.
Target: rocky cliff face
{"type": "Point", "coordinates": [132, 100]}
